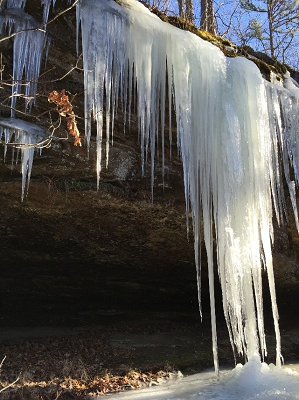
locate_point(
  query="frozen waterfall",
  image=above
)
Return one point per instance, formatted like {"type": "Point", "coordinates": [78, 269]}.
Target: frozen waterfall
{"type": "Point", "coordinates": [236, 134]}
{"type": "Point", "coordinates": [231, 127]}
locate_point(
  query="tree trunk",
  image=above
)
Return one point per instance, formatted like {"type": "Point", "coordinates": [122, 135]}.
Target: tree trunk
{"type": "Point", "coordinates": [181, 8]}
{"type": "Point", "coordinates": [186, 9]}
{"type": "Point", "coordinates": [270, 24]}
{"type": "Point", "coordinates": [189, 11]}
{"type": "Point", "coordinates": [207, 19]}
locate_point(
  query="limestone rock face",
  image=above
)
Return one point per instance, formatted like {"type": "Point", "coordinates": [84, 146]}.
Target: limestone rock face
{"type": "Point", "coordinates": [70, 253]}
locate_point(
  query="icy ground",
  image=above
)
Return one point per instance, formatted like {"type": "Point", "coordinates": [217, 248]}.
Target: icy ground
{"type": "Point", "coordinates": [254, 380]}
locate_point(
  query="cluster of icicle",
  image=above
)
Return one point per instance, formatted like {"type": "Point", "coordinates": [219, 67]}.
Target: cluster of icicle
{"type": "Point", "coordinates": [24, 137]}
{"type": "Point", "coordinates": [232, 126]}
{"type": "Point", "coordinates": [30, 41]}
{"type": "Point", "coordinates": [28, 46]}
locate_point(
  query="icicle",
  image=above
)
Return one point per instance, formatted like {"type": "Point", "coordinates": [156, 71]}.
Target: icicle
{"type": "Point", "coordinates": [27, 137]}
{"type": "Point", "coordinates": [283, 105]}
{"type": "Point", "coordinates": [46, 4]}
{"type": "Point", "coordinates": [21, 4]}
{"type": "Point", "coordinates": [28, 49]}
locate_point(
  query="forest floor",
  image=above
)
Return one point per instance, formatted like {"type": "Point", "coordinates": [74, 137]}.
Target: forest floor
{"type": "Point", "coordinates": [127, 352]}
{"type": "Point", "coordinates": [131, 352]}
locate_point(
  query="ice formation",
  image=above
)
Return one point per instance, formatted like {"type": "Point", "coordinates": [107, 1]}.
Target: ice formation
{"type": "Point", "coordinates": [252, 381]}
{"type": "Point", "coordinates": [26, 137]}
{"type": "Point", "coordinates": [231, 127]}
{"type": "Point", "coordinates": [29, 43]}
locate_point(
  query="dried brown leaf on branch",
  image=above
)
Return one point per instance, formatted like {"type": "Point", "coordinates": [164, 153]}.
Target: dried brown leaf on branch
{"type": "Point", "coordinates": [65, 109]}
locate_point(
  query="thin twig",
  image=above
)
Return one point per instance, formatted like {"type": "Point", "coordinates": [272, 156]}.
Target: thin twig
{"type": "Point", "coordinates": [11, 384]}
{"type": "Point", "coordinates": [65, 75]}
{"type": "Point", "coordinates": [6, 387]}
{"type": "Point", "coordinates": [2, 362]}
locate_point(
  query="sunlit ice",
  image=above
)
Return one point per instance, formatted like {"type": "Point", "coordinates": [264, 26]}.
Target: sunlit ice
{"type": "Point", "coordinates": [254, 380]}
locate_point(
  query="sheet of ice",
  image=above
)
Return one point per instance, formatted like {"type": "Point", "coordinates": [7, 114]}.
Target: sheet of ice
{"type": "Point", "coordinates": [26, 137]}
{"type": "Point", "coordinates": [252, 381]}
